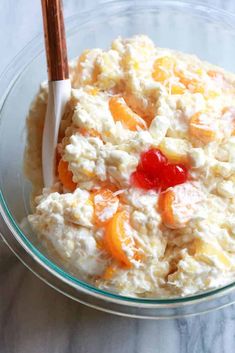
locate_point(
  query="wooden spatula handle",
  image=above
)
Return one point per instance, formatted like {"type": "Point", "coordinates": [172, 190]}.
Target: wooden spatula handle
{"type": "Point", "coordinates": [55, 42]}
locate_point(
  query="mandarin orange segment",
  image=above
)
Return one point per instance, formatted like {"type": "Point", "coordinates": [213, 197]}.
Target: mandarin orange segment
{"type": "Point", "coordinates": [116, 238]}
{"type": "Point", "coordinates": [177, 205]}
{"type": "Point", "coordinates": [202, 128]}
{"type": "Point", "coordinates": [184, 80]}
{"type": "Point", "coordinates": [195, 86]}
{"type": "Point", "coordinates": [108, 185]}
{"type": "Point", "coordinates": [162, 68]}
{"type": "Point", "coordinates": [212, 73]}
{"type": "Point", "coordinates": [165, 205]}
{"type": "Point", "coordinates": [105, 205]}
{"type": "Point", "coordinates": [65, 175]}
{"type": "Point", "coordinates": [121, 112]}
{"type": "Point", "coordinates": [190, 83]}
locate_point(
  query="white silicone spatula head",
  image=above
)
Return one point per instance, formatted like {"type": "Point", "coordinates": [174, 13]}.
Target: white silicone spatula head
{"type": "Point", "coordinates": [59, 86]}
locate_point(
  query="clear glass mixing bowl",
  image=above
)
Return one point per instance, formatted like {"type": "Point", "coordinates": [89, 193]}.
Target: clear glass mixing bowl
{"type": "Point", "coordinates": [188, 27]}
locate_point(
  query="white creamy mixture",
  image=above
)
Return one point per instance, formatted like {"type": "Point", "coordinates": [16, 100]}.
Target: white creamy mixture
{"type": "Point", "coordinates": [96, 220]}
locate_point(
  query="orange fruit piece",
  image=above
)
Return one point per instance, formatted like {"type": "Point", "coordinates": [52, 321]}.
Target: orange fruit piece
{"type": "Point", "coordinates": [121, 112]}
{"type": "Point", "coordinates": [105, 205]}
{"type": "Point", "coordinates": [116, 237]}
{"type": "Point", "coordinates": [202, 127]}
{"type": "Point", "coordinates": [195, 86]}
{"type": "Point", "coordinates": [108, 185]}
{"type": "Point", "coordinates": [165, 205]}
{"type": "Point", "coordinates": [183, 79]}
{"type": "Point", "coordinates": [177, 205]}
{"type": "Point", "coordinates": [163, 68]}
{"type": "Point", "coordinates": [212, 73]}
{"type": "Point", "coordinates": [90, 133]}
{"type": "Point", "coordinates": [191, 83]}
{"type": "Point", "coordinates": [66, 176]}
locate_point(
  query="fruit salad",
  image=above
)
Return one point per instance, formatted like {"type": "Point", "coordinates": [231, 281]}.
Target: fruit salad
{"type": "Point", "coordinates": [144, 198]}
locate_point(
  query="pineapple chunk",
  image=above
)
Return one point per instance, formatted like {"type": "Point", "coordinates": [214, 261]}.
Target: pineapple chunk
{"type": "Point", "coordinates": [158, 128]}
{"type": "Point", "coordinates": [207, 251]}
{"type": "Point", "coordinates": [203, 127]}
{"type": "Point", "coordinates": [177, 89]}
{"type": "Point", "coordinates": [108, 69]}
{"type": "Point", "coordinates": [176, 150]}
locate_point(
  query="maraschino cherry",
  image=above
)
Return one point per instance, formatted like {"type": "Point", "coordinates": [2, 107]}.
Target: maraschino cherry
{"type": "Point", "coordinates": [155, 172]}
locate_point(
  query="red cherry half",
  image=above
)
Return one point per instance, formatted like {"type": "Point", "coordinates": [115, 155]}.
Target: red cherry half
{"type": "Point", "coordinates": [140, 179]}
{"type": "Point", "coordinates": [154, 172]}
{"type": "Point", "coordinates": [152, 162]}
{"type": "Point", "coordinates": [174, 174]}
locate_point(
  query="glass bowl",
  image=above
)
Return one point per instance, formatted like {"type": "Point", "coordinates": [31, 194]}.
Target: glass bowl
{"type": "Point", "coordinates": [189, 27]}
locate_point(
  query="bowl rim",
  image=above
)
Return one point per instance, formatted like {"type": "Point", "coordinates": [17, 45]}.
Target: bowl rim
{"type": "Point", "coordinates": [35, 48]}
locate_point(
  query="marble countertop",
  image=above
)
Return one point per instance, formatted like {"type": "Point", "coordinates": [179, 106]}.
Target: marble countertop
{"type": "Point", "coordinates": [36, 319]}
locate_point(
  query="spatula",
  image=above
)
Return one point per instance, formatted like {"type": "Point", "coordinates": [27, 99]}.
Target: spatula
{"type": "Point", "coordinates": [59, 86]}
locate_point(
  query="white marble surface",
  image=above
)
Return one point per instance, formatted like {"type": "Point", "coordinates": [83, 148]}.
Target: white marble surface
{"type": "Point", "coordinates": [36, 319]}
